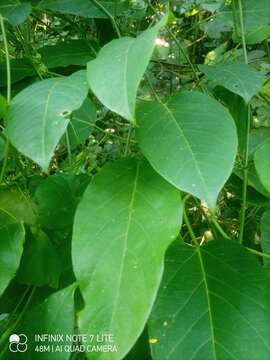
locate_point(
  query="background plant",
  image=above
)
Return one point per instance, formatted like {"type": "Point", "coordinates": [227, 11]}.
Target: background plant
{"type": "Point", "coordinates": [135, 181]}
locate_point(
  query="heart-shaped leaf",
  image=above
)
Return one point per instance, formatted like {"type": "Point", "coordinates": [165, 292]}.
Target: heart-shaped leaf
{"type": "Point", "coordinates": [114, 76]}
{"type": "Point", "coordinates": [126, 220]}
{"type": "Point", "coordinates": [39, 115]}
{"type": "Point", "coordinates": [191, 140]}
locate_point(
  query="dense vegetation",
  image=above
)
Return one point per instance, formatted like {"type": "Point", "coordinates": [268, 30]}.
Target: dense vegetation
{"type": "Point", "coordinates": [135, 179]}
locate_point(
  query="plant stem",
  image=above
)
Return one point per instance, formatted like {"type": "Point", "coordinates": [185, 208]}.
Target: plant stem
{"type": "Point", "coordinates": [3, 30]}
{"type": "Point", "coordinates": [68, 150]}
{"type": "Point", "coordinates": [245, 181]}
{"type": "Point", "coordinates": [189, 227]}
{"type": "Point", "coordinates": [259, 253]}
{"type": "Point", "coordinates": [219, 228]}
{"type": "Point", "coordinates": [110, 16]}
{"type": "Point", "coordinates": [245, 170]}
{"type": "Point", "coordinates": [242, 28]}
{"type": "Point", "coordinates": [128, 141]}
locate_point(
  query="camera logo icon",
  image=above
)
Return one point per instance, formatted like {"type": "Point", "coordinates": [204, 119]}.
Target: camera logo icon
{"type": "Point", "coordinates": [18, 343]}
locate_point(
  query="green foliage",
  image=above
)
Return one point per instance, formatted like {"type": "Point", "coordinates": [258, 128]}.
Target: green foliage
{"type": "Point", "coordinates": [15, 11]}
{"type": "Point", "coordinates": [85, 8]}
{"type": "Point", "coordinates": [11, 246]}
{"type": "Point", "coordinates": [240, 79]}
{"type": "Point", "coordinates": [51, 320]}
{"type": "Point", "coordinates": [262, 164]}
{"type": "Point", "coordinates": [2, 148]}
{"type": "Point", "coordinates": [124, 202]}
{"type": "Point", "coordinates": [265, 229]}
{"type": "Point", "coordinates": [118, 120]}
{"type": "Point", "coordinates": [122, 64]}
{"type": "Point", "coordinates": [75, 52]}
{"type": "Point", "coordinates": [45, 262]}
{"type": "Point", "coordinates": [198, 288]}
{"type": "Point", "coordinates": [39, 115]}
{"type": "Point", "coordinates": [186, 143]}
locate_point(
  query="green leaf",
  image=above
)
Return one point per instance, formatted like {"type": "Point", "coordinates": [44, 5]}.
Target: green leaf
{"type": "Point", "coordinates": [11, 247]}
{"type": "Point", "coordinates": [115, 75]}
{"type": "Point", "coordinates": [240, 79]}
{"type": "Point", "coordinates": [3, 106]}
{"type": "Point", "coordinates": [257, 138]}
{"type": "Point", "coordinates": [40, 264]}
{"type": "Point", "coordinates": [213, 303]}
{"type": "Point", "coordinates": [265, 236]}
{"type": "Point", "coordinates": [256, 21]}
{"type": "Point", "coordinates": [126, 220]}
{"type": "Point", "coordinates": [15, 11]}
{"type": "Point", "coordinates": [75, 52]}
{"type": "Point", "coordinates": [39, 115]}
{"type": "Point", "coordinates": [239, 111]}
{"type": "Point", "coordinates": [57, 197]}
{"type": "Point", "coordinates": [257, 35]}
{"type": "Point", "coordinates": [55, 315]}
{"type": "Point", "coordinates": [18, 204]}
{"type": "Point", "coordinates": [84, 8]}
{"type": "Point", "coordinates": [190, 139]}
{"type": "Point", "coordinates": [262, 164]}
{"type": "Point", "coordinates": [81, 124]}
{"type": "Point", "coordinates": [20, 69]}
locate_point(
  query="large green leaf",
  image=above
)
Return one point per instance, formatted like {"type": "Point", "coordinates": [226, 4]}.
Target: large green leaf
{"type": "Point", "coordinates": [265, 236]}
{"type": "Point", "coordinates": [213, 304]}
{"type": "Point", "coordinates": [15, 11]}
{"type": "Point", "coordinates": [262, 164]}
{"type": "Point", "coordinates": [75, 52]}
{"type": "Point", "coordinates": [126, 220]}
{"type": "Point", "coordinates": [191, 140]}
{"type": "Point", "coordinates": [39, 115]}
{"type": "Point", "coordinates": [115, 75]}
{"type": "Point", "coordinates": [21, 206]}
{"type": "Point", "coordinates": [11, 247]}
{"type": "Point", "coordinates": [55, 315]}
{"type": "Point", "coordinates": [240, 79]}
{"type": "Point", "coordinates": [85, 8]}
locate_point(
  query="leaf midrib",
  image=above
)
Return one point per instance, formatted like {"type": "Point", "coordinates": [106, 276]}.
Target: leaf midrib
{"type": "Point", "coordinates": [132, 200]}
{"type": "Point", "coordinates": [189, 147]}
{"type": "Point", "coordinates": [207, 294]}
